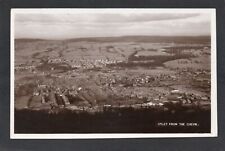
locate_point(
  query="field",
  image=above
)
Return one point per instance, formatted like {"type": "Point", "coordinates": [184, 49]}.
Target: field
{"type": "Point", "coordinates": [92, 77]}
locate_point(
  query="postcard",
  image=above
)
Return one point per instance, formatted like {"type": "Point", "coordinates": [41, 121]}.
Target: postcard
{"type": "Point", "coordinates": [113, 73]}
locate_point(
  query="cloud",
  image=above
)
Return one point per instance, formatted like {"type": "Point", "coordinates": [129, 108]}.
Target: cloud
{"type": "Point", "coordinates": [100, 18]}
{"type": "Point", "coordinates": [67, 25]}
{"type": "Point", "coordinates": [146, 17]}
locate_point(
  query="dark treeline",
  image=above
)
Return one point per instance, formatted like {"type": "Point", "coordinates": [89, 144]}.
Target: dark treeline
{"type": "Point", "coordinates": [159, 59]}
{"type": "Point", "coordinates": [123, 120]}
{"type": "Point", "coordinates": [150, 61]}
{"type": "Point", "coordinates": [185, 47]}
{"type": "Point", "coordinates": [63, 67]}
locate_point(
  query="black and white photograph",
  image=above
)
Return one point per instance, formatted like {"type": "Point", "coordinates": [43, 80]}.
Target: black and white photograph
{"type": "Point", "coordinates": [113, 73]}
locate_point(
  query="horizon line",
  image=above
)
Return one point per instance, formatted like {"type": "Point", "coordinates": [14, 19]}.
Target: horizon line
{"type": "Point", "coordinates": [114, 37]}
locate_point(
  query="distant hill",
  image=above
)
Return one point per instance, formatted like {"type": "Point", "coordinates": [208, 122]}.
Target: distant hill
{"type": "Point", "coordinates": [28, 40]}
{"type": "Point", "coordinates": [154, 39]}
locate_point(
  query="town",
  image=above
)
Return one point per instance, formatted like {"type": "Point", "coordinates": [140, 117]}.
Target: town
{"type": "Point", "coordinates": [170, 77]}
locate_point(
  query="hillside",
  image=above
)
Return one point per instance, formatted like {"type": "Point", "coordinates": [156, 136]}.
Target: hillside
{"type": "Point", "coordinates": [153, 39]}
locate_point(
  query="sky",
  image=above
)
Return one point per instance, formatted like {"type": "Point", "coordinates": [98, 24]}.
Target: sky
{"type": "Point", "coordinates": [68, 25]}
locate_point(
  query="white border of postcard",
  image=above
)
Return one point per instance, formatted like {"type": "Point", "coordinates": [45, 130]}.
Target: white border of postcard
{"type": "Point", "coordinates": [214, 130]}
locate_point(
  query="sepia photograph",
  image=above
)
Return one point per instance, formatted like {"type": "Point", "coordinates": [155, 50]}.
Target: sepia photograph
{"type": "Point", "coordinates": [113, 73]}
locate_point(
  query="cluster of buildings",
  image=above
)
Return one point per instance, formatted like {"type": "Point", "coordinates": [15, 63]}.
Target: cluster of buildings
{"type": "Point", "coordinates": [47, 97]}
{"type": "Point", "coordinates": [136, 81]}
{"type": "Point", "coordinates": [24, 67]}
{"type": "Point", "coordinates": [200, 78]}
{"type": "Point", "coordinates": [85, 63]}
{"type": "Point", "coordinates": [89, 64]}
{"type": "Point", "coordinates": [50, 97]}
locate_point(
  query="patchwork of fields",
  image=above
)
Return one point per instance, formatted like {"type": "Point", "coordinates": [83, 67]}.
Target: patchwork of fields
{"type": "Point", "coordinates": [94, 74]}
